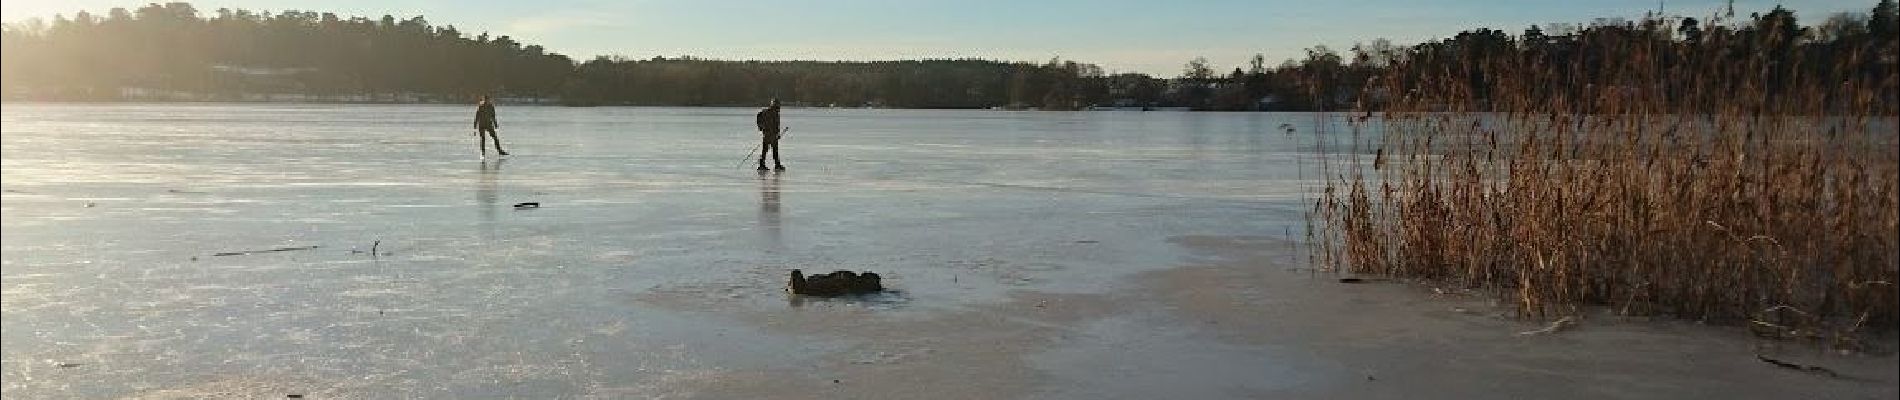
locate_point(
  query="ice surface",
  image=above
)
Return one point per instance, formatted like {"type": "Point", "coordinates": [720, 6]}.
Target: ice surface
{"type": "Point", "coordinates": [647, 213]}
{"type": "Point", "coordinates": [1032, 254]}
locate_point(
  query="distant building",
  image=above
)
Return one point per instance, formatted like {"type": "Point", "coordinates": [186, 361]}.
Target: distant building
{"type": "Point", "coordinates": [1268, 102]}
{"type": "Point", "coordinates": [261, 71]}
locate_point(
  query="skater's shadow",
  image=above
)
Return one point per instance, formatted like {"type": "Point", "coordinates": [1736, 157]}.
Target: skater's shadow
{"type": "Point", "coordinates": [887, 299]}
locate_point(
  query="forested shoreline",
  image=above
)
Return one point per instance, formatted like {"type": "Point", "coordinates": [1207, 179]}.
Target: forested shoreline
{"type": "Point", "coordinates": [174, 51]}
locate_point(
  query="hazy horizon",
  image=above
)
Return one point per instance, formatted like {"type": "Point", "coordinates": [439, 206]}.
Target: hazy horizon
{"type": "Point", "coordinates": [1119, 35]}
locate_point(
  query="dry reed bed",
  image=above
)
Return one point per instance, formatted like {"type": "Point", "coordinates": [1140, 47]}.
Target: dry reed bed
{"type": "Point", "coordinates": [1657, 177]}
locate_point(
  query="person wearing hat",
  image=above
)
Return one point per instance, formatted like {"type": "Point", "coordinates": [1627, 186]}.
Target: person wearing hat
{"type": "Point", "coordinates": [769, 129]}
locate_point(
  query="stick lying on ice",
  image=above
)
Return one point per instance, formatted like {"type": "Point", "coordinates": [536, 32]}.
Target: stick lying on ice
{"type": "Point", "coordinates": [1798, 367]}
{"type": "Point", "coordinates": [239, 253]}
{"type": "Point", "coordinates": [1555, 326]}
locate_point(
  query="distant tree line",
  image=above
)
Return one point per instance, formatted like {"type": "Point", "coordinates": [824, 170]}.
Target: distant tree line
{"type": "Point", "coordinates": [688, 81]}
{"type": "Point", "coordinates": [1850, 61]}
{"type": "Point", "coordinates": [172, 49]}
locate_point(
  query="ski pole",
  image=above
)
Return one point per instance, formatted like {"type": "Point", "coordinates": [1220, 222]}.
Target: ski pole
{"type": "Point", "coordinates": [748, 156]}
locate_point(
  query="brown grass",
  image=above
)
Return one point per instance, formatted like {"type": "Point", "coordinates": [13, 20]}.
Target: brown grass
{"type": "Point", "coordinates": [1663, 179]}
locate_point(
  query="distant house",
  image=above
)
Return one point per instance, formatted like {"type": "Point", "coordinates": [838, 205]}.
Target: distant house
{"type": "Point", "coordinates": [517, 100]}
{"type": "Point", "coordinates": [261, 71]}
{"type": "Point", "coordinates": [1268, 102]}
{"type": "Point", "coordinates": [263, 80]}
{"type": "Point", "coordinates": [139, 93]}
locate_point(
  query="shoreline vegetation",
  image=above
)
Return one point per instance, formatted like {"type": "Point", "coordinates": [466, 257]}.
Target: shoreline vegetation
{"type": "Point", "coordinates": [1741, 171]}
{"type": "Point", "coordinates": [175, 52]}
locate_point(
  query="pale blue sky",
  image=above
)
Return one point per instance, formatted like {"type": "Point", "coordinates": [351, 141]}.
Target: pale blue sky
{"type": "Point", "coordinates": [1154, 37]}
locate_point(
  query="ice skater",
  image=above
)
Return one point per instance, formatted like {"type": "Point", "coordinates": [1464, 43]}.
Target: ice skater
{"type": "Point", "coordinates": [485, 124]}
{"type": "Point", "coordinates": [769, 132]}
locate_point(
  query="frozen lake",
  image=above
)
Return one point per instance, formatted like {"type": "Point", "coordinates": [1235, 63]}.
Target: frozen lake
{"type": "Point", "coordinates": [1064, 255]}
{"type": "Point", "coordinates": [954, 207]}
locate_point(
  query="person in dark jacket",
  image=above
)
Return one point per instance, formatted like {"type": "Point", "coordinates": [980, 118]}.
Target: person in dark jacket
{"type": "Point", "coordinates": [485, 124]}
{"type": "Point", "coordinates": [769, 130]}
